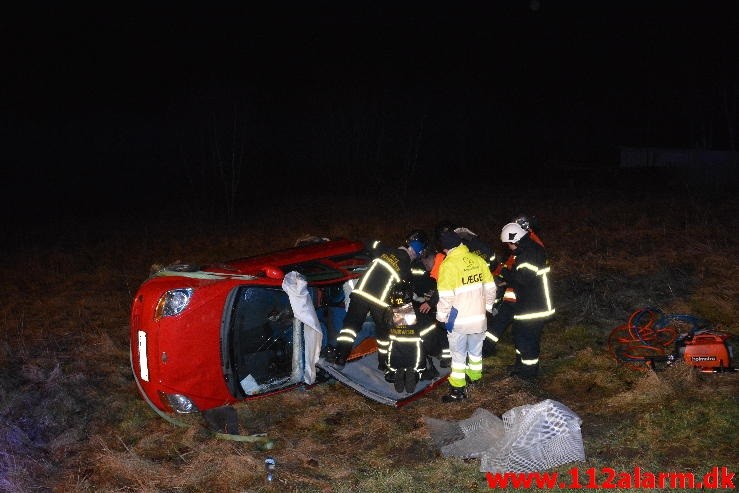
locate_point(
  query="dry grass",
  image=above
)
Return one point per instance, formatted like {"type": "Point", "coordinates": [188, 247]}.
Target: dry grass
{"type": "Point", "coordinates": [73, 421]}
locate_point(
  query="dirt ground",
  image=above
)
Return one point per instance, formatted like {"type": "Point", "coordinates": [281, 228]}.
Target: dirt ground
{"type": "Point", "coordinates": [73, 421]}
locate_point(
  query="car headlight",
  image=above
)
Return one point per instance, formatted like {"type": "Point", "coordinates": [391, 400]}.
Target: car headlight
{"type": "Point", "coordinates": [178, 402]}
{"type": "Point", "coordinates": [172, 302]}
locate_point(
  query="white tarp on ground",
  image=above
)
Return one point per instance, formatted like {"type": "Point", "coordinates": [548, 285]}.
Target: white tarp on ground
{"type": "Point", "coordinates": [528, 438]}
{"type": "Point", "coordinates": [296, 287]}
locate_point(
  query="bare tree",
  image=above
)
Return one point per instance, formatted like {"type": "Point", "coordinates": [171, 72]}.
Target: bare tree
{"type": "Point", "coordinates": [228, 162]}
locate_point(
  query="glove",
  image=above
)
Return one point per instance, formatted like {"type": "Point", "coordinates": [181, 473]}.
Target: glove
{"type": "Point", "coordinates": [449, 325]}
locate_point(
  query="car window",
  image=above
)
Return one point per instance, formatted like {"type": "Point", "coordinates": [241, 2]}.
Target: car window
{"type": "Point", "coordinates": [264, 340]}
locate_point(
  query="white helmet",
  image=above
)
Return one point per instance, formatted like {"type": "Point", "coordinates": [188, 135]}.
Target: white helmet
{"type": "Point", "coordinates": [512, 233]}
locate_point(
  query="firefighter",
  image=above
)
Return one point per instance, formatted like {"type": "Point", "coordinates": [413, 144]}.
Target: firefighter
{"type": "Point", "coordinates": [391, 265]}
{"type": "Point", "coordinates": [407, 359]}
{"type": "Point", "coordinates": [503, 309]}
{"type": "Point", "coordinates": [527, 303]}
{"type": "Point", "coordinates": [474, 243]}
{"type": "Point", "coordinates": [466, 294]}
{"type": "Point", "coordinates": [425, 299]}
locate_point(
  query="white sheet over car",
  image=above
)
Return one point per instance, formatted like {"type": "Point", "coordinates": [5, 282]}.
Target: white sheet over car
{"type": "Point", "coordinates": [296, 287]}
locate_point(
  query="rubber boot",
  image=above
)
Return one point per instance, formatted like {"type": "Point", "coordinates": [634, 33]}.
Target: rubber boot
{"type": "Point", "coordinates": [411, 379]}
{"type": "Point", "coordinates": [400, 380]}
{"type": "Point", "coordinates": [489, 348]}
{"type": "Point", "coordinates": [470, 382]}
{"type": "Point", "coordinates": [456, 394]}
{"type": "Point", "coordinates": [515, 368]}
{"type": "Point", "coordinates": [430, 372]}
{"type": "Point", "coordinates": [390, 376]}
{"type": "Point", "coordinates": [528, 372]}
{"type": "Point", "coordinates": [381, 362]}
{"type": "Point", "coordinates": [329, 354]}
{"type": "Point", "coordinates": [339, 361]}
{"type": "Point", "coordinates": [341, 353]}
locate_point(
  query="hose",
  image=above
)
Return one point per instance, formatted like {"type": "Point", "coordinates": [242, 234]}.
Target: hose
{"type": "Point", "coordinates": [649, 337]}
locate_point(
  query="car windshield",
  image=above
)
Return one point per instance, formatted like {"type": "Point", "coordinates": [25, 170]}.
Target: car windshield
{"type": "Point", "coordinates": [264, 342]}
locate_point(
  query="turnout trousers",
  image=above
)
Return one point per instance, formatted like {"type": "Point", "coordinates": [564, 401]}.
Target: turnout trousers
{"type": "Point", "coordinates": [356, 314]}
{"type": "Point", "coordinates": [526, 338]}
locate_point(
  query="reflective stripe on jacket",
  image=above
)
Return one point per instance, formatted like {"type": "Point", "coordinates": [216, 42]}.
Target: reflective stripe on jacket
{"type": "Point", "coordinates": [390, 267]}
{"type": "Point", "coordinates": [529, 278]}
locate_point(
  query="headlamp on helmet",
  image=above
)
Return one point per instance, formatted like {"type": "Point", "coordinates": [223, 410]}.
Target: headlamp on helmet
{"type": "Point", "coordinates": [401, 294]}
{"type": "Point", "coordinates": [523, 221]}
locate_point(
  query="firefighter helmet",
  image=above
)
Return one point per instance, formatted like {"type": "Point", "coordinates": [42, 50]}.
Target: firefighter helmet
{"type": "Point", "coordinates": [401, 293]}
{"type": "Point", "coordinates": [417, 241]}
{"type": "Point", "coordinates": [443, 226]}
{"type": "Point", "coordinates": [439, 229]}
{"type": "Point", "coordinates": [512, 233]}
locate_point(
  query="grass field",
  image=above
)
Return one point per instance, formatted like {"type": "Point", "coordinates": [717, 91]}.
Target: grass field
{"type": "Point", "coordinates": [72, 419]}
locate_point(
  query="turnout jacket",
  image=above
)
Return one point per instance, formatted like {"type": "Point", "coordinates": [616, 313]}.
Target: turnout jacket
{"type": "Point", "coordinates": [390, 266]}
{"type": "Point", "coordinates": [528, 279]}
{"type": "Point", "coordinates": [424, 286]}
{"type": "Point", "coordinates": [407, 328]}
{"type": "Point", "coordinates": [466, 291]}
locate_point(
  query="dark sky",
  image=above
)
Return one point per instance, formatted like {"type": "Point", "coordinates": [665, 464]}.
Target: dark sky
{"type": "Point", "coordinates": [143, 102]}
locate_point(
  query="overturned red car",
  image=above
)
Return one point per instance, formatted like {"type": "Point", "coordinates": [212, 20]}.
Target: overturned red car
{"type": "Point", "coordinates": [208, 336]}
